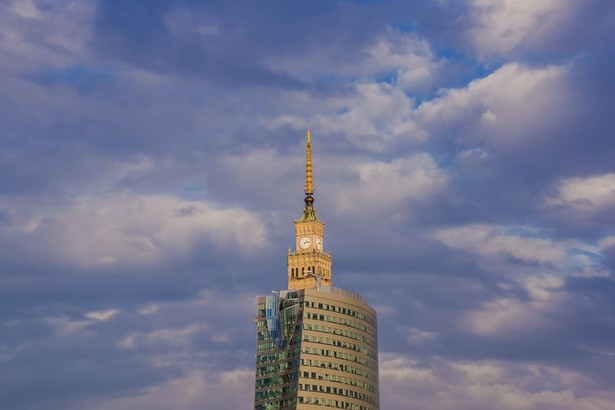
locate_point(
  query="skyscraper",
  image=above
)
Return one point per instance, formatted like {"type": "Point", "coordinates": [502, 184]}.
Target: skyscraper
{"type": "Point", "coordinates": [317, 345]}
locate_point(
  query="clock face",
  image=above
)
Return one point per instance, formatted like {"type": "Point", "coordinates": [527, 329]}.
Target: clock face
{"type": "Point", "coordinates": [305, 242]}
{"type": "Point", "coordinates": [318, 244]}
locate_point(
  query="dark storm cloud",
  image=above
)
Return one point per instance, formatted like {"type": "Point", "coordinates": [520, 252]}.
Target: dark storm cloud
{"type": "Point", "coordinates": [238, 43]}
{"type": "Point", "coordinates": [231, 49]}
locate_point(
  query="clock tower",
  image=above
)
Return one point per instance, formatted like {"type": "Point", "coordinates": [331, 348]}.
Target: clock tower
{"type": "Point", "coordinates": [309, 266]}
{"type": "Point", "coordinates": [316, 344]}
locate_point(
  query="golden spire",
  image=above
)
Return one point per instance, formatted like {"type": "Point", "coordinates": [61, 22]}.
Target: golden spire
{"type": "Point", "coordinates": [309, 187]}
{"type": "Point", "coordinates": [309, 213]}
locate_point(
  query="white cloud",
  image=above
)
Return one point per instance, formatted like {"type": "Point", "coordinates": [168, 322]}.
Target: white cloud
{"type": "Point", "coordinates": [149, 309]}
{"type": "Point", "coordinates": [503, 316]}
{"type": "Point", "coordinates": [232, 389]}
{"type": "Point", "coordinates": [49, 34]}
{"type": "Point", "coordinates": [375, 114]}
{"type": "Point", "coordinates": [606, 242]}
{"type": "Point", "coordinates": [101, 315]}
{"type": "Point", "coordinates": [179, 337]}
{"type": "Point", "coordinates": [384, 186]}
{"type": "Point", "coordinates": [496, 241]}
{"type": "Point", "coordinates": [412, 59]}
{"type": "Point", "coordinates": [65, 326]}
{"type": "Point", "coordinates": [525, 255]}
{"type": "Point", "coordinates": [542, 288]}
{"type": "Point", "coordinates": [439, 384]}
{"type": "Point", "coordinates": [68, 327]}
{"type": "Point", "coordinates": [403, 369]}
{"type": "Point", "coordinates": [409, 60]}
{"type": "Point", "coordinates": [418, 336]}
{"type": "Point", "coordinates": [501, 26]}
{"type": "Point", "coordinates": [587, 195]}
{"type": "Point", "coordinates": [372, 118]}
{"type": "Point", "coordinates": [25, 9]}
{"type": "Point", "coordinates": [125, 229]}
{"type": "Point", "coordinates": [184, 325]}
{"type": "Point", "coordinates": [512, 107]}
{"type": "Point", "coordinates": [504, 109]}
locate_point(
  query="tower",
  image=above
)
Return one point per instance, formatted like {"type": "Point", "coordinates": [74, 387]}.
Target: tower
{"type": "Point", "coordinates": [309, 266]}
{"type": "Point", "coordinates": [316, 344]}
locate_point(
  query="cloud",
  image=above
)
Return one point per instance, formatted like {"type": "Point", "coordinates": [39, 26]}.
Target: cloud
{"type": "Point", "coordinates": [502, 27]}
{"type": "Point", "coordinates": [25, 9]}
{"type": "Point", "coordinates": [504, 316]}
{"type": "Point", "coordinates": [370, 117]}
{"type": "Point", "coordinates": [43, 33]}
{"type": "Point", "coordinates": [509, 109]}
{"type": "Point", "coordinates": [102, 315]}
{"type": "Point", "coordinates": [450, 384]}
{"type": "Point", "coordinates": [583, 203]}
{"type": "Point", "coordinates": [384, 187]}
{"type": "Point", "coordinates": [585, 195]}
{"type": "Point", "coordinates": [227, 389]}
{"type": "Point", "coordinates": [142, 355]}
{"type": "Point", "coordinates": [125, 229]}
{"type": "Point", "coordinates": [505, 109]}
{"type": "Point", "coordinates": [404, 59]}
{"type": "Point", "coordinates": [494, 241]}
{"type": "Point", "coordinates": [526, 255]}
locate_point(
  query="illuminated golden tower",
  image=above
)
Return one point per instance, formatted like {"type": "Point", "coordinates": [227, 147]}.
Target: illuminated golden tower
{"type": "Point", "coordinates": [309, 266]}
{"type": "Point", "coordinates": [316, 344]}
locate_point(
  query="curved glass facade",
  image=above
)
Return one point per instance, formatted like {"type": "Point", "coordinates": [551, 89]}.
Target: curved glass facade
{"type": "Point", "coordinates": [322, 351]}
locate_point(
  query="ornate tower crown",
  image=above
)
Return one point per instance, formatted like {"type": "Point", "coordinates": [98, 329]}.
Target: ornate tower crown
{"type": "Point", "coordinates": [309, 266]}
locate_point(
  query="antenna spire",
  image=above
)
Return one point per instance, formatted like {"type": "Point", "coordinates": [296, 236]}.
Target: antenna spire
{"type": "Point", "coordinates": [309, 187]}
{"type": "Point", "coordinates": [309, 213]}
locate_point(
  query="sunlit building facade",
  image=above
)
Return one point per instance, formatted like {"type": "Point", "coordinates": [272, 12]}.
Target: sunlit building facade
{"type": "Point", "coordinates": [317, 345]}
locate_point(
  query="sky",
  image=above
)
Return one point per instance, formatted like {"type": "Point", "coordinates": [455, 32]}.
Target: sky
{"type": "Point", "coordinates": [152, 163]}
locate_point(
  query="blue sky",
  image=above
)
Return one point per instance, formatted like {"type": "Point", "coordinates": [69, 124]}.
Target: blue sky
{"type": "Point", "coordinates": [151, 166]}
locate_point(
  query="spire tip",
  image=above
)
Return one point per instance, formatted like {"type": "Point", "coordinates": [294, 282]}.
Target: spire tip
{"type": "Point", "coordinates": [309, 187]}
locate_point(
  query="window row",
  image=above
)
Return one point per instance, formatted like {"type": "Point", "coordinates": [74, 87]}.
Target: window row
{"type": "Point", "coordinates": [274, 393]}
{"type": "Point", "coordinates": [340, 379]}
{"type": "Point", "coordinates": [338, 404]}
{"type": "Point", "coordinates": [277, 405]}
{"type": "Point", "coordinates": [370, 341]}
{"type": "Point", "coordinates": [341, 321]}
{"type": "Point", "coordinates": [309, 229]}
{"type": "Point", "coordinates": [295, 273]}
{"type": "Point", "coordinates": [342, 310]}
{"type": "Point", "coordinates": [276, 380]}
{"type": "Point", "coordinates": [273, 368]}
{"type": "Point", "coordinates": [338, 392]}
{"type": "Point", "coordinates": [338, 343]}
{"type": "Point", "coordinates": [339, 355]}
{"type": "Point", "coordinates": [261, 347]}
{"type": "Point", "coordinates": [340, 367]}
{"type": "Point", "coordinates": [273, 357]}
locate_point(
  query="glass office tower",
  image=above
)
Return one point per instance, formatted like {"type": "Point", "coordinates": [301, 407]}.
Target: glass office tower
{"type": "Point", "coordinates": [317, 344]}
